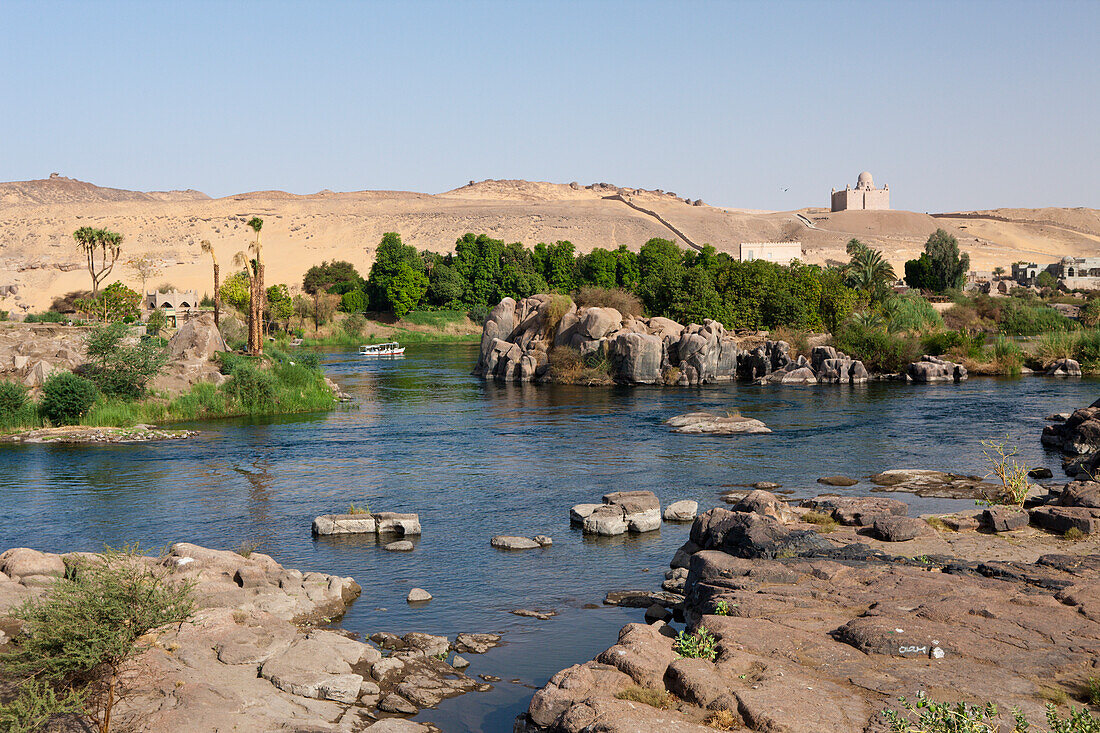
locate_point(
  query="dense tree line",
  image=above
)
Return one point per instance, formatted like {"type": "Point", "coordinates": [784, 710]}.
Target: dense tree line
{"type": "Point", "coordinates": [687, 286]}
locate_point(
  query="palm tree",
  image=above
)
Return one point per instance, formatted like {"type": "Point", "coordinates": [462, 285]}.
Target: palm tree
{"type": "Point", "coordinates": [868, 270]}
{"type": "Point", "coordinates": [209, 249]}
{"type": "Point", "coordinates": [244, 262]}
{"type": "Point", "coordinates": [255, 330]}
{"type": "Point", "coordinates": [108, 245]}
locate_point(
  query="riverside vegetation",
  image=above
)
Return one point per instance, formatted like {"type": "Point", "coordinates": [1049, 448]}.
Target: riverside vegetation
{"type": "Point", "coordinates": [112, 388]}
{"type": "Point", "coordinates": [69, 659]}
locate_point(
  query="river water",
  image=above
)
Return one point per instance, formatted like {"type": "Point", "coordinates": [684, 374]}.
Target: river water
{"type": "Point", "coordinates": [476, 460]}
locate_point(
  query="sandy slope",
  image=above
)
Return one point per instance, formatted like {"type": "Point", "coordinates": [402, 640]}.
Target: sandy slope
{"type": "Point", "coordinates": [38, 255]}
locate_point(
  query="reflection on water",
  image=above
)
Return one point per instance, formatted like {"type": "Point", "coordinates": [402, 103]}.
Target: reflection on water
{"type": "Point", "coordinates": [475, 460]}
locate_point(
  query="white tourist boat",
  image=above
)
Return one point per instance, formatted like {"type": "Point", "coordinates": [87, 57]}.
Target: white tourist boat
{"type": "Point", "coordinates": [390, 348]}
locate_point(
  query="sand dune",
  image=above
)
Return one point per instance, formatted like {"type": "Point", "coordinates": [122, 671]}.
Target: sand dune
{"type": "Point", "coordinates": [38, 255]}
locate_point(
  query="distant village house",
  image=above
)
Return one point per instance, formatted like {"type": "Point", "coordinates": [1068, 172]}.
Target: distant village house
{"type": "Point", "coordinates": [1072, 273]}
{"type": "Point", "coordinates": [781, 253]}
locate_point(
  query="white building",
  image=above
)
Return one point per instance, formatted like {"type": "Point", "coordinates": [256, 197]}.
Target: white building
{"type": "Point", "coordinates": [780, 253]}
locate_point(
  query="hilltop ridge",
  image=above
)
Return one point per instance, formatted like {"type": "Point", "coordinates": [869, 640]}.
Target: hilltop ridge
{"type": "Point", "coordinates": [38, 256]}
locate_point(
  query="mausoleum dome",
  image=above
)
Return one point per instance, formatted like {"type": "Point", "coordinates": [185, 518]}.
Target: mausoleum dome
{"type": "Point", "coordinates": [865, 177]}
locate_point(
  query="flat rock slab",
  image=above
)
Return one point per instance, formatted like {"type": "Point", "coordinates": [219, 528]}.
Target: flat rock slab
{"type": "Point", "coordinates": [509, 542]}
{"type": "Point", "coordinates": [935, 484]}
{"type": "Point", "coordinates": [531, 613]}
{"type": "Point", "coordinates": [1004, 519]}
{"type": "Point", "coordinates": [705, 423]}
{"type": "Point", "coordinates": [859, 511]}
{"type": "Point", "coordinates": [329, 524]}
{"type": "Point", "coordinates": [892, 528]}
{"type": "Point", "coordinates": [642, 598]}
{"type": "Point", "coordinates": [398, 546]}
{"type": "Point", "coordinates": [838, 481]}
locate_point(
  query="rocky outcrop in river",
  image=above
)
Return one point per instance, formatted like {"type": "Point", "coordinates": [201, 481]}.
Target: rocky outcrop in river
{"type": "Point", "coordinates": [821, 632]}
{"type": "Point", "coordinates": [518, 341]}
{"type": "Point", "coordinates": [1078, 436]}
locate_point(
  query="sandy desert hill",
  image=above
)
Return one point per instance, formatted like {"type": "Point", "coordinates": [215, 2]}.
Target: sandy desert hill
{"type": "Point", "coordinates": [38, 255]}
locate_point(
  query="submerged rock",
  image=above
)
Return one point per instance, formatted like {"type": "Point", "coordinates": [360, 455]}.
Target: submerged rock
{"type": "Point", "coordinates": [711, 424]}
{"type": "Point", "coordinates": [508, 542]}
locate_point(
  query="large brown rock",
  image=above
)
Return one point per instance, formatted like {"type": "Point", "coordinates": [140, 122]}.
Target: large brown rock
{"type": "Point", "coordinates": [198, 340]}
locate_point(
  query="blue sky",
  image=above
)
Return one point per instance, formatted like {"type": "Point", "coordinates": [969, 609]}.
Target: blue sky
{"type": "Point", "coordinates": [956, 105]}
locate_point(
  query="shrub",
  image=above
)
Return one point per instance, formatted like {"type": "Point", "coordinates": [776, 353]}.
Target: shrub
{"type": "Point", "coordinates": [157, 321]}
{"type": "Point", "coordinates": [356, 509]}
{"type": "Point", "coordinates": [66, 398]}
{"type": "Point", "coordinates": [911, 313]}
{"type": "Point", "coordinates": [626, 303]}
{"type": "Point", "coordinates": [79, 635]}
{"type": "Point", "coordinates": [353, 325]}
{"type": "Point", "coordinates": [964, 344]}
{"type": "Point", "coordinates": [478, 314]}
{"type": "Point", "coordinates": [659, 699]}
{"type": "Point", "coordinates": [13, 399]}
{"type": "Point", "coordinates": [1092, 690]}
{"type": "Point", "coordinates": [1024, 319]}
{"type": "Point", "coordinates": [880, 351]}
{"type": "Point", "coordinates": [47, 317]}
{"type": "Point", "coordinates": [824, 522]}
{"type": "Point", "coordinates": [252, 388]}
{"type": "Point", "coordinates": [36, 705]}
{"type": "Point", "coordinates": [961, 317]}
{"type": "Point", "coordinates": [118, 370]}
{"type": "Point", "coordinates": [722, 608]}
{"type": "Point", "coordinates": [1011, 473]}
{"type": "Point", "coordinates": [723, 720]}
{"type": "Point", "coordinates": [1056, 345]}
{"type": "Point", "coordinates": [559, 305]}
{"type": "Point", "coordinates": [1086, 348]}
{"type": "Point", "coordinates": [1008, 355]}
{"type": "Point", "coordinates": [700, 645]}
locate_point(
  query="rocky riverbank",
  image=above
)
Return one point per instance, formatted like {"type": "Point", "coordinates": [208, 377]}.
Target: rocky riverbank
{"type": "Point", "coordinates": [518, 340]}
{"type": "Point", "coordinates": [85, 434]}
{"type": "Point", "coordinates": [823, 615]}
{"type": "Point", "coordinates": [254, 657]}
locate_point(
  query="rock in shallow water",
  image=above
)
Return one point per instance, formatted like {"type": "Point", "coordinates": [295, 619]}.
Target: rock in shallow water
{"type": "Point", "coordinates": [418, 595]}
{"type": "Point", "coordinates": [509, 542]}
{"type": "Point", "coordinates": [838, 481]}
{"type": "Point", "coordinates": [681, 511]}
{"type": "Point", "coordinates": [709, 424]}
{"type": "Point", "coordinates": [399, 546]}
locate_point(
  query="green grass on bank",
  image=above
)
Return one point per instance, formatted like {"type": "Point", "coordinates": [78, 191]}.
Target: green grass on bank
{"type": "Point", "coordinates": [284, 388]}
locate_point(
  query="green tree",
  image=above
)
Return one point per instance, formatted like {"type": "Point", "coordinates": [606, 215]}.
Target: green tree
{"type": "Point", "coordinates": [661, 271]}
{"type": "Point", "coordinates": [446, 286]}
{"type": "Point", "coordinates": [397, 279]}
{"type": "Point", "coordinates": [337, 277]}
{"type": "Point", "coordinates": [941, 267]}
{"type": "Point", "coordinates": [558, 265]}
{"type": "Point", "coordinates": [1046, 280]}
{"type": "Point", "coordinates": [627, 275]}
{"type": "Point", "coordinates": [101, 249]}
{"type": "Point", "coordinates": [235, 291]}
{"type": "Point", "coordinates": [598, 268]}
{"type": "Point", "coordinates": [280, 307]}
{"type": "Point", "coordinates": [405, 289]}
{"type": "Point", "coordinates": [477, 260]}
{"type": "Point", "coordinates": [868, 271]}
{"type": "Point", "coordinates": [118, 369]}
{"type": "Point", "coordinates": [116, 303]}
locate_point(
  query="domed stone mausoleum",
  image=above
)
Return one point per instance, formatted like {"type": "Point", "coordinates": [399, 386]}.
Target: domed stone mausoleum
{"type": "Point", "coordinates": [863, 197]}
